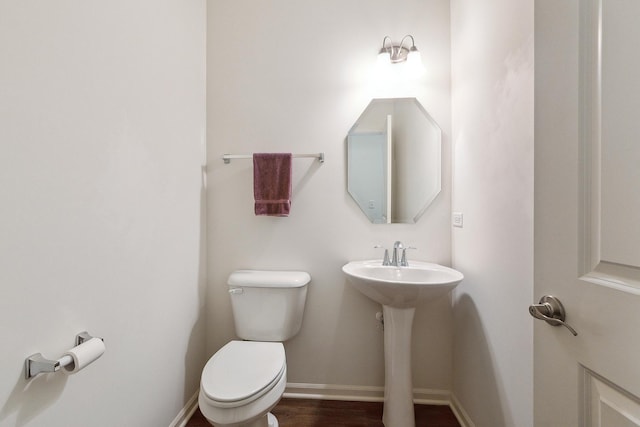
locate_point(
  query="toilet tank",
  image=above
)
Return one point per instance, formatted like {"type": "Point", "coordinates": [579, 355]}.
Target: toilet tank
{"type": "Point", "coordinates": [268, 305]}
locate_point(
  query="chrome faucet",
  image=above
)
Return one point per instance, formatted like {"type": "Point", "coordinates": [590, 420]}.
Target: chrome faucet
{"type": "Point", "coordinates": [397, 259]}
{"type": "Point", "coordinates": [386, 260]}
{"type": "Point", "coordinates": [394, 258]}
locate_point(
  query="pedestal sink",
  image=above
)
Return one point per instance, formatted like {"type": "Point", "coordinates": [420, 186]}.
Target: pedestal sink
{"type": "Point", "coordinates": [400, 290]}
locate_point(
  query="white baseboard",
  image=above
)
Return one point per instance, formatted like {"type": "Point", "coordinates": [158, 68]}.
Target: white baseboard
{"type": "Point", "coordinates": [421, 396]}
{"type": "Point", "coordinates": [460, 413]}
{"type": "Point", "coordinates": [360, 393]}
{"type": "Point", "coordinates": [189, 408]}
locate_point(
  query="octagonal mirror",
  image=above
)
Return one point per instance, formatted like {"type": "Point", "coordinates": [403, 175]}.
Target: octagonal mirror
{"type": "Point", "coordinates": [394, 160]}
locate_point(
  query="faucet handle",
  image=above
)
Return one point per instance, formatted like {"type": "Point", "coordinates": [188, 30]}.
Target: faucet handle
{"type": "Point", "coordinates": [386, 260]}
{"type": "Point", "coordinates": [403, 261]}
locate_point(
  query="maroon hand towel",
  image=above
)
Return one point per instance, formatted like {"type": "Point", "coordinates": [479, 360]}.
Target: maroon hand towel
{"type": "Point", "coordinates": [272, 183]}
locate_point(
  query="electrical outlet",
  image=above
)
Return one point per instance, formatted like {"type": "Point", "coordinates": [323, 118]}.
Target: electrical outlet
{"type": "Point", "coordinates": [456, 219]}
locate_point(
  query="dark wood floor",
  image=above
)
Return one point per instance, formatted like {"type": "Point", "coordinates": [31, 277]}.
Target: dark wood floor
{"type": "Point", "coordinates": [333, 413]}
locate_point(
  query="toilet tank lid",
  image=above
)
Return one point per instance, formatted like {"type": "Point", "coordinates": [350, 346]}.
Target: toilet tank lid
{"type": "Point", "coordinates": [269, 279]}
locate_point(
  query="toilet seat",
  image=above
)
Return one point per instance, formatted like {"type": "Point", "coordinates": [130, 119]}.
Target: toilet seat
{"type": "Point", "coordinates": [241, 372]}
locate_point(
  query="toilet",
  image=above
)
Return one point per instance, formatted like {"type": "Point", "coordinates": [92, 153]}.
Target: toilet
{"type": "Point", "coordinates": [244, 380]}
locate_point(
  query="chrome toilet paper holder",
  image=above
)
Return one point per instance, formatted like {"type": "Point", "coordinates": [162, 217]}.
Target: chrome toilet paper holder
{"type": "Point", "coordinates": [38, 364]}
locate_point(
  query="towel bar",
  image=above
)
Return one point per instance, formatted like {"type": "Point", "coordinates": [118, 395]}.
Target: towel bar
{"type": "Point", "coordinates": [228, 157]}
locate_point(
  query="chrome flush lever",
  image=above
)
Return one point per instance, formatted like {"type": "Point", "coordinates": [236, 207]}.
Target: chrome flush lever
{"type": "Point", "coordinates": [551, 310]}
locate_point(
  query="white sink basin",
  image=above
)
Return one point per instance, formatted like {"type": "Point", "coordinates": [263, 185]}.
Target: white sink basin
{"type": "Point", "coordinates": [401, 287]}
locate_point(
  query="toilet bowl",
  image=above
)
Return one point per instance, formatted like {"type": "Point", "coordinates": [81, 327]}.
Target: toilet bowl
{"type": "Point", "coordinates": [244, 380]}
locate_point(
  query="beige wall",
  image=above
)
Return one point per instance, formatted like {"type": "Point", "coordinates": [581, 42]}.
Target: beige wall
{"type": "Point", "coordinates": [101, 146]}
{"type": "Point", "coordinates": [291, 76]}
{"type": "Point", "coordinates": [492, 80]}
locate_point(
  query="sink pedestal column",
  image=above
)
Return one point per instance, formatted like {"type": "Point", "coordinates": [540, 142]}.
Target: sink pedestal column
{"type": "Point", "coordinates": [398, 387]}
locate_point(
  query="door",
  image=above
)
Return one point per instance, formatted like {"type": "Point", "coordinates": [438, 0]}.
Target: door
{"type": "Point", "coordinates": [587, 211]}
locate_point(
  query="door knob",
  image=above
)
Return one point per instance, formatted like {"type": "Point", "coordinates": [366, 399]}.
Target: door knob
{"type": "Point", "coordinates": [551, 310]}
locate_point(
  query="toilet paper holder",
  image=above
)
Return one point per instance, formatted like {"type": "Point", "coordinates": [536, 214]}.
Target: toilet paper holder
{"type": "Point", "coordinates": [38, 364]}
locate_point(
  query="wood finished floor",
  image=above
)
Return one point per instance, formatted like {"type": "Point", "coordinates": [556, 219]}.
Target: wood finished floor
{"type": "Point", "coordinates": [333, 413]}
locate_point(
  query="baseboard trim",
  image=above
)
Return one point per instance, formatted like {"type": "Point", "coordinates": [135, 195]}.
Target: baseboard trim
{"type": "Point", "coordinates": [355, 393]}
{"type": "Point", "coordinates": [334, 392]}
{"type": "Point", "coordinates": [463, 418]}
{"type": "Point", "coordinates": [422, 396]}
{"type": "Point", "coordinates": [185, 414]}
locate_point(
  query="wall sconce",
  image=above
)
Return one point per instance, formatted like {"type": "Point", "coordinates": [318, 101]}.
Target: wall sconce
{"type": "Point", "coordinates": [397, 53]}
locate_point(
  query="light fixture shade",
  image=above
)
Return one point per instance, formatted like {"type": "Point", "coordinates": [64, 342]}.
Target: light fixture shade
{"type": "Point", "coordinates": [414, 59]}
{"type": "Point", "coordinates": [384, 57]}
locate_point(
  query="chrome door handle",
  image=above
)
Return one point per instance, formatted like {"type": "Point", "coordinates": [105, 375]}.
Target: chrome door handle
{"type": "Point", "coordinates": [551, 310]}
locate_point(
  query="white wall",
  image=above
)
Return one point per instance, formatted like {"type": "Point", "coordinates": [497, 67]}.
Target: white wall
{"type": "Point", "coordinates": [102, 113]}
{"type": "Point", "coordinates": [492, 81]}
{"type": "Point", "coordinates": [293, 76]}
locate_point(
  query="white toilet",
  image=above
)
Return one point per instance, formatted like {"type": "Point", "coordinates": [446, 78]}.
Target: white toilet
{"type": "Point", "coordinates": [244, 380]}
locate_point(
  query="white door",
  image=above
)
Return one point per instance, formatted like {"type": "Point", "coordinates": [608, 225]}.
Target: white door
{"type": "Point", "coordinates": [587, 211]}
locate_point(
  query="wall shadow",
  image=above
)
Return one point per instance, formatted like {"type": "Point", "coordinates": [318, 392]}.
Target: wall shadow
{"type": "Point", "coordinates": [357, 329]}
{"type": "Point", "coordinates": [195, 357]}
{"type": "Point", "coordinates": [474, 371]}
{"type": "Point", "coordinates": [29, 398]}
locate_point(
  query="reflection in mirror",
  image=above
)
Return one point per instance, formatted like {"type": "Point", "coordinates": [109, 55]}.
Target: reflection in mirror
{"type": "Point", "coordinates": [393, 160]}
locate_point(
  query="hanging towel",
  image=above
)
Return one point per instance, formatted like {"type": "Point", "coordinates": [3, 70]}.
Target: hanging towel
{"type": "Point", "coordinates": [272, 183]}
